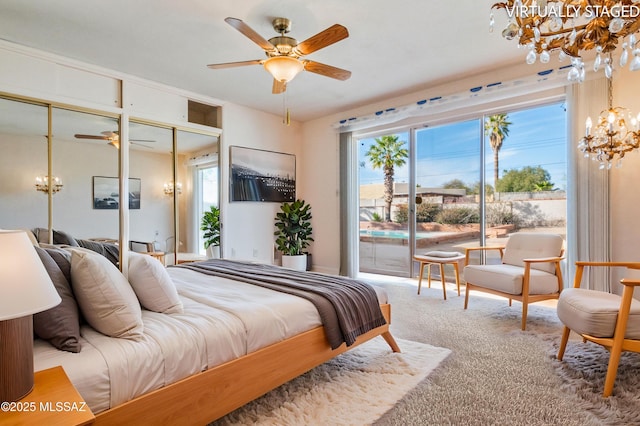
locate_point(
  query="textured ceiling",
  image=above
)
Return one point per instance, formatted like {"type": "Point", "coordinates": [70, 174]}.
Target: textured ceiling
{"type": "Point", "coordinates": [394, 47]}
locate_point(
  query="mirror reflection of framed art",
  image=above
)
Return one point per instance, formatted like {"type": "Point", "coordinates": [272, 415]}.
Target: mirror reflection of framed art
{"type": "Point", "coordinates": [106, 193]}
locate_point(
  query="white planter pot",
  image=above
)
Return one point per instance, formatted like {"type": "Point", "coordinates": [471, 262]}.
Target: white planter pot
{"type": "Point", "coordinates": [298, 262]}
{"type": "Point", "coordinates": [213, 252]}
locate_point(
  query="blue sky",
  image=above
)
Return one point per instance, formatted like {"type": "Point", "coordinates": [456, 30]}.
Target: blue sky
{"type": "Point", "coordinates": [537, 137]}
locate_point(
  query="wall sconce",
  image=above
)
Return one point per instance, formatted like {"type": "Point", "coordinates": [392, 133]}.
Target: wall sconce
{"type": "Point", "coordinates": [42, 184]}
{"type": "Point", "coordinates": [168, 188]}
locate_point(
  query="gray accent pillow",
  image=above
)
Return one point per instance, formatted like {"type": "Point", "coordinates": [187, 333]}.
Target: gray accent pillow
{"type": "Point", "coordinates": [63, 260]}
{"type": "Point", "coordinates": [59, 325]}
{"type": "Point", "coordinates": [59, 237]}
{"type": "Point", "coordinates": [108, 250]}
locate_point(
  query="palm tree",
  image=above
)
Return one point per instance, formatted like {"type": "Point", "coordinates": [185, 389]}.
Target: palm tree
{"type": "Point", "coordinates": [497, 128]}
{"type": "Point", "coordinates": [387, 153]}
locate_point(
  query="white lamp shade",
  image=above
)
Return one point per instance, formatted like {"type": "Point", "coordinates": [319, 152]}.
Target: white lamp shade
{"type": "Point", "coordinates": [283, 68]}
{"type": "Point", "coordinates": [25, 286]}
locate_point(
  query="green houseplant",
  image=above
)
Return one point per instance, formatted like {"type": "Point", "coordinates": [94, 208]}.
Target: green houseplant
{"type": "Point", "coordinates": [211, 226]}
{"type": "Point", "coordinates": [293, 233]}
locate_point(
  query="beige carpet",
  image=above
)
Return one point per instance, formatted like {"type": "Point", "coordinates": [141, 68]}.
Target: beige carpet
{"type": "Point", "coordinates": [356, 388]}
{"type": "Point", "coordinates": [496, 374]}
{"type": "Point", "coordinates": [500, 375]}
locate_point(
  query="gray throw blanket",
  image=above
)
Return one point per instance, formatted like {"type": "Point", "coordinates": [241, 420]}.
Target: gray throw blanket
{"type": "Point", "coordinates": [347, 308]}
{"type": "Point", "coordinates": [108, 250]}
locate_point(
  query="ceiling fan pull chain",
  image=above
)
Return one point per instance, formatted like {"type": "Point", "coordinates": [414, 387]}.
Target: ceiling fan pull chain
{"type": "Point", "coordinates": [286, 115]}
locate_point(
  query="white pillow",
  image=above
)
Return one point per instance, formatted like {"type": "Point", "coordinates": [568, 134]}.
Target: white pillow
{"type": "Point", "coordinates": [104, 296]}
{"type": "Point", "coordinates": [153, 285]}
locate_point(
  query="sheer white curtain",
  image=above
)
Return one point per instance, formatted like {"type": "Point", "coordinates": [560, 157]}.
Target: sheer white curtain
{"type": "Point", "coordinates": [588, 200]}
{"type": "Point", "coordinates": [349, 214]}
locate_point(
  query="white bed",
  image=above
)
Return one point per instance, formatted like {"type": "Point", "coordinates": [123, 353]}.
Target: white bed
{"type": "Point", "coordinates": [222, 320]}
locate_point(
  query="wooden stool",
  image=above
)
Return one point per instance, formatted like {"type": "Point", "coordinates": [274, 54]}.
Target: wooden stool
{"type": "Point", "coordinates": [441, 258]}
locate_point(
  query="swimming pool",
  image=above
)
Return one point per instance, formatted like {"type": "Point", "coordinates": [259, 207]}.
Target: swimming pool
{"type": "Point", "coordinates": [400, 234]}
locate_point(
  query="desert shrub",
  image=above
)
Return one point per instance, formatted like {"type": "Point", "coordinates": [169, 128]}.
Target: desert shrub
{"type": "Point", "coordinates": [501, 214]}
{"type": "Point", "coordinates": [427, 212]}
{"type": "Point", "coordinates": [375, 217]}
{"type": "Point", "coordinates": [402, 214]}
{"type": "Point", "coordinates": [458, 216]}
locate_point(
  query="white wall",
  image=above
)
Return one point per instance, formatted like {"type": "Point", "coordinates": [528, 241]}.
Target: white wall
{"type": "Point", "coordinates": [624, 188]}
{"type": "Point", "coordinates": [320, 188]}
{"type": "Point", "coordinates": [76, 164]}
{"type": "Point", "coordinates": [21, 206]}
{"type": "Point", "coordinates": [247, 227]}
{"type": "Point", "coordinates": [156, 208]}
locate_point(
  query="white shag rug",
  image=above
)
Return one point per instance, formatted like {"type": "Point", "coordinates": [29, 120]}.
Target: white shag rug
{"type": "Point", "coordinates": [355, 388]}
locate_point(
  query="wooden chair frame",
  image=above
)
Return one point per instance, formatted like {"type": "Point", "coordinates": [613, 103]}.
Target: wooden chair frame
{"type": "Point", "coordinates": [616, 344]}
{"type": "Point", "coordinates": [525, 298]}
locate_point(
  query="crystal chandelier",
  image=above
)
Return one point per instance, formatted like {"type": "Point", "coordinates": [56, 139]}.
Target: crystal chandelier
{"type": "Point", "coordinates": [572, 27]}
{"type": "Point", "coordinates": [615, 134]}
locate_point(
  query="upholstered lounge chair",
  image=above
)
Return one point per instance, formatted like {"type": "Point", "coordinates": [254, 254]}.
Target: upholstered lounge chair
{"type": "Point", "coordinates": [529, 271]}
{"type": "Point", "coordinates": [141, 246]}
{"type": "Point", "coordinates": [601, 317]}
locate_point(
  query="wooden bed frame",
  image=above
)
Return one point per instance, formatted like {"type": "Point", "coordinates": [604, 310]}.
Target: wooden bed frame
{"type": "Point", "coordinates": [211, 394]}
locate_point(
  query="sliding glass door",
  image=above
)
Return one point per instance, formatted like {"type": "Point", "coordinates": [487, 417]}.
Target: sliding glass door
{"type": "Point", "coordinates": [448, 183]}
{"type": "Point", "coordinates": [384, 204]}
{"type": "Point", "coordinates": [526, 170]}
{"type": "Point", "coordinates": [450, 186]}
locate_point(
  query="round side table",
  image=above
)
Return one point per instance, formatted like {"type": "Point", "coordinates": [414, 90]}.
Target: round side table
{"type": "Point", "coordinates": [439, 258]}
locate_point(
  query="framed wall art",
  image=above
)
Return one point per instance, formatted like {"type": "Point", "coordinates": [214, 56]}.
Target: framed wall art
{"type": "Point", "coordinates": [258, 175]}
{"type": "Point", "coordinates": [106, 193]}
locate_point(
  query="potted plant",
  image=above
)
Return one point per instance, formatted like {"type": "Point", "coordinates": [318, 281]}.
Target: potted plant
{"type": "Point", "coordinates": [211, 226]}
{"type": "Point", "coordinates": [293, 233]}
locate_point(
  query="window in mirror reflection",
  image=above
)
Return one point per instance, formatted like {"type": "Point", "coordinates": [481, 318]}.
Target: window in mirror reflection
{"type": "Point", "coordinates": [198, 173]}
{"type": "Point", "coordinates": [207, 183]}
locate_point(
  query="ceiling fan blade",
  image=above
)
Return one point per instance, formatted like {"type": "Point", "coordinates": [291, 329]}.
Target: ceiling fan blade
{"type": "Point", "coordinates": [142, 140]}
{"type": "Point", "coordinates": [327, 70]}
{"type": "Point", "coordinates": [235, 64]}
{"type": "Point", "coordinates": [278, 87]}
{"type": "Point", "coordinates": [248, 32]}
{"type": "Point", "coordinates": [79, 136]}
{"type": "Point", "coordinates": [324, 38]}
{"type": "Point", "coordinates": [142, 145]}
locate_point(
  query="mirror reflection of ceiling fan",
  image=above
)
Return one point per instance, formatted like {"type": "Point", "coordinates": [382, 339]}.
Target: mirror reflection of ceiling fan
{"type": "Point", "coordinates": [284, 54]}
{"type": "Point", "coordinates": [114, 139]}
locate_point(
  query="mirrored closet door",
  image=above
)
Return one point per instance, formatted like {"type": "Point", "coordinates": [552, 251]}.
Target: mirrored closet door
{"type": "Point", "coordinates": [24, 158]}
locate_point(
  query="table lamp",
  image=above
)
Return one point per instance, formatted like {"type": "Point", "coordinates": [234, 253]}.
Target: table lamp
{"type": "Point", "coordinates": [25, 288]}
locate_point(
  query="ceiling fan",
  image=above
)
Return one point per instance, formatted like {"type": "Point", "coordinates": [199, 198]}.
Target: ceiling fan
{"type": "Point", "coordinates": [284, 54]}
{"type": "Point", "coordinates": [114, 139]}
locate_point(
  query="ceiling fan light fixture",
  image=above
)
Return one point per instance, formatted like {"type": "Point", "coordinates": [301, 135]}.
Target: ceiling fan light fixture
{"type": "Point", "coordinates": [283, 68]}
